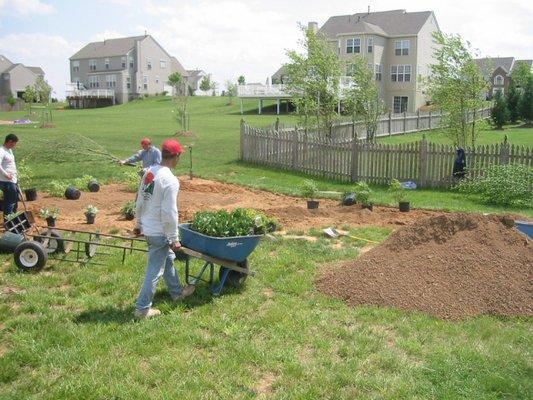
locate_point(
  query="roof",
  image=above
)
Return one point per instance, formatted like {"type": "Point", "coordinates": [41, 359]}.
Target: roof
{"type": "Point", "coordinates": [489, 64]}
{"type": "Point", "coordinates": [281, 71]}
{"type": "Point", "coordinates": [194, 72]}
{"type": "Point", "coordinates": [11, 68]}
{"type": "Point", "coordinates": [177, 67]}
{"type": "Point", "coordinates": [36, 70]}
{"type": "Point", "coordinates": [4, 63]}
{"type": "Point", "coordinates": [108, 48]}
{"type": "Point", "coordinates": [386, 23]}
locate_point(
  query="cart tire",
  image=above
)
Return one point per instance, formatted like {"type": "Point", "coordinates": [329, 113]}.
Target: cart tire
{"type": "Point", "coordinates": [55, 242]}
{"type": "Point", "coordinates": [30, 256]}
{"type": "Point", "coordinates": [235, 278]}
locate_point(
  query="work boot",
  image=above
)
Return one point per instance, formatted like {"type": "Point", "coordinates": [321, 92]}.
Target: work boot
{"type": "Point", "coordinates": [185, 292]}
{"type": "Point", "coordinates": [147, 313]}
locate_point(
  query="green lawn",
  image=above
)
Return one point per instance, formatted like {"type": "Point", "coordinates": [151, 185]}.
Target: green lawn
{"type": "Point", "coordinates": [68, 333]}
{"type": "Point", "coordinates": [216, 147]}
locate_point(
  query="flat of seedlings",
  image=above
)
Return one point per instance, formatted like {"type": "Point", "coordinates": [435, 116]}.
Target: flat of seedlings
{"type": "Point", "coordinates": [452, 266]}
{"type": "Point", "coordinates": [204, 195]}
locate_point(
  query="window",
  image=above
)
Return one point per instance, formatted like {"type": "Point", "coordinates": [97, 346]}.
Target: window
{"type": "Point", "coordinates": [93, 81]}
{"type": "Point", "coordinates": [498, 80]}
{"type": "Point", "coordinates": [353, 45]}
{"type": "Point", "coordinates": [123, 61]}
{"type": "Point", "coordinates": [111, 81]}
{"type": "Point", "coordinates": [92, 65]}
{"type": "Point", "coordinates": [162, 64]}
{"type": "Point", "coordinates": [148, 63]}
{"type": "Point", "coordinates": [377, 72]}
{"type": "Point", "coordinates": [128, 82]}
{"type": "Point", "coordinates": [400, 73]}
{"type": "Point", "coordinates": [75, 66]}
{"type": "Point", "coordinates": [145, 82]}
{"type": "Point", "coordinates": [400, 104]}
{"type": "Point", "coordinates": [157, 79]}
{"type": "Point", "coordinates": [106, 63]}
{"type": "Point", "coordinates": [401, 47]}
{"type": "Point", "coordinates": [131, 62]}
{"type": "Point", "coordinates": [370, 45]}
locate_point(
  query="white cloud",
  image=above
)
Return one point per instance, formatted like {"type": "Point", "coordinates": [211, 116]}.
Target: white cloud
{"type": "Point", "coordinates": [26, 8]}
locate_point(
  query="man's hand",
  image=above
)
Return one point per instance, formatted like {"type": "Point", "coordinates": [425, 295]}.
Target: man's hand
{"type": "Point", "coordinates": [137, 231]}
{"type": "Point", "coordinates": [9, 176]}
{"type": "Point", "coordinates": [175, 246]}
{"type": "Point", "coordinates": [121, 162]}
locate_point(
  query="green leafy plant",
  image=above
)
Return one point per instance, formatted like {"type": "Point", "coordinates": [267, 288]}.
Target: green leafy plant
{"type": "Point", "coordinates": [57, 188]}
{"type": "Point", "coordinates": [131, 179]}
{"type": "Point", "coordinates": [308, 189]}
{"type": "Point", "coordinates": [128, 208]}
{"type": "Point", "coordinates": [502, 185]}
{"type": "Point", "coordinates": [239, 222]}
{"type": "Point", "coordinates": [362, 193]}
{"type": "Point", "coordinates": [83, 181]}
{"type": "Point", "coordinates": [25, 174]}
{"type": "Point", "coordinates": [12, 216]}
{"type": "Point", "coordinates": [398, 191]}
{"type": "Point", "coordinates": [91, 210]}
{"type": "Point", "coordinates": [49, 213]}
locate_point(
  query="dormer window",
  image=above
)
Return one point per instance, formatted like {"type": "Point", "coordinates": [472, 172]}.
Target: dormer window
{"type": "Point", "coordinates": [401, 47]}
{"type": "Point", "coordinates": [106, 63]}
{"type": "Point", "coordinates": [353, 45]}
{"type": "Point", "coordinates": [370, 45]}
{"type": "Point", "coordinates": [498, 80]}
{"type": "Point", "coordinates": [123, 61]}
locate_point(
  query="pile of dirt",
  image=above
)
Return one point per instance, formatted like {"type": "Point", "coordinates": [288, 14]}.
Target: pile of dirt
{"type": "Point", "coordinates": [451, 266]}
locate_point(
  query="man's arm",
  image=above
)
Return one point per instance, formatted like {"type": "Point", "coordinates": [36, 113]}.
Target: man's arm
{"type": "Point", "coordinates": [133, 159]}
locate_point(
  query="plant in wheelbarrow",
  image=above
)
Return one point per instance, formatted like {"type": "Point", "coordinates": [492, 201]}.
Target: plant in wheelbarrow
{"type": "Point", "coordinates": [128, 210]}
{"type": "Point", "coordinates": [362, 195]}
{"type": "Point", "coordinates": [309, 190]}
{"type": "Point", "coordinates": [400, 195]}
{"type": "Point", "coordinates": [25, 180]}
{"type": "Point", "coordinates": [50, 215]}
{"type": "Point", "coordinates": [90, 213]}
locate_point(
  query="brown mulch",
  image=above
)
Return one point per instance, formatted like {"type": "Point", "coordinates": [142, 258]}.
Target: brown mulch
{"type": "Point", "coordinates": [452, 266]}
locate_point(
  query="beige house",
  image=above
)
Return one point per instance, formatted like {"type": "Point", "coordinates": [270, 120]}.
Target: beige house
{"type": "Point", "coordinates": [119, 70]}
{"type": "Point", "coordinates": [14, 77]}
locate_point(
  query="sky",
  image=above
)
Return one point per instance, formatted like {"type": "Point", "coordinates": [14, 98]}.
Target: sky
{"type": "Point", "coordinates": [228, 38]}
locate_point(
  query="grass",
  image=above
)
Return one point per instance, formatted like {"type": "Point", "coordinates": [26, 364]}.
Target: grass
{"type": "Point", "coordinates": [68, 332]}
{"type": "Point", "coordinates": [215, 151]}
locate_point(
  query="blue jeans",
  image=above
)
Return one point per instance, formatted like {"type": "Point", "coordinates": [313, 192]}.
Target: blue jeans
{"type": "Point", "coordinates": [160, 263]}
{"type": "Point", "coordinates": [11, 197]}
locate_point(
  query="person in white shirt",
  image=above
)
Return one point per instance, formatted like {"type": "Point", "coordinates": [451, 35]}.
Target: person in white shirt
{"type": "Point", "coordinates": [157, 220]}
{"type": "Point", "coordinates": [8, 175]}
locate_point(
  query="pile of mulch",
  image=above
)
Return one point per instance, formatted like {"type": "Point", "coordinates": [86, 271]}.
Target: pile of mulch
{"type": "Point", "coordinates": [452, 266]}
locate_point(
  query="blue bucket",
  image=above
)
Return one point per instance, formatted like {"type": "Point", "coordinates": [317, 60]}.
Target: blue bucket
{"type": "Point", "coordinates": [525, 227]}
{"type": "Point", "coordinates": [236, 248]}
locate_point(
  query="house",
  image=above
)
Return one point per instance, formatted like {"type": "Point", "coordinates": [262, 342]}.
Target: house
{"type": "Point", "coordinates": [497, 71]}
{"type": "Point", "coordinates": [194, 78]}
{"type": "Point", "coordinates": [14, 77]}
{"type": "Point", "coordinates": [397, 45]}
{"type": "Point", "coordinates": [119, 70]}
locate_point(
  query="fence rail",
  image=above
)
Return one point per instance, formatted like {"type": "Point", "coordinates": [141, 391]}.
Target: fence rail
{"type": "Point", "coordinates": [427, 164]}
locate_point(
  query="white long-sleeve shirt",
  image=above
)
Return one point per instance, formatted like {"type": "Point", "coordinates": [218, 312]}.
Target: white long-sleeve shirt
{"type": "Point", "coordinates": [157, 203]}
{"type": "Point", "coordinates": [7, 165]}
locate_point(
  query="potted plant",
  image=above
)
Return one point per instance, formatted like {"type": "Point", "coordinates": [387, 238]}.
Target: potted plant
{"type": "Point", "coordinates": [49, 215]}
{"type": "Point", "coordinates": [87, 181]}
{"type": "Point", "coordinates": [400, 195]}
{"type": "Point", "coordinates": [308, 189]}
{"type": "Point", "coordinates": [90, 214]}
{"type": "Point", "coordinates": [362, 195]}
{"type": "Point", "coordinates": [25, 178]}
{"type": "Point", "coordinates": [128, 210]}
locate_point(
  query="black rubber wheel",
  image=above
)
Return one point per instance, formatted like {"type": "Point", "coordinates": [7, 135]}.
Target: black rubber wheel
{"type": "Point", "coordinates": [234, 278]}
{"type": "Point", "coordinates": [55, 242]}
{"type": "Point", "coordinates": [30, 256]}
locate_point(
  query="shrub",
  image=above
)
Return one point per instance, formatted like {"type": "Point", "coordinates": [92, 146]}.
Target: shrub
{"type": "Point", "coordinates": [91, 210]}
{"type": "Point", "coordinates": [57, 188]}
{"type": "Point", "coordinates": [11, 101]}
{"type": "Point", "coordinates": [46, 213]}
{"type": "Point", "coordinates": [83, 181]}
{"type": "Point", "coordinates": [24, 174]}
{"type": "Point", "coordinates": [502, 185]}
{"type": "Point", "coordinates": [398, 191]}
{"type": "Point", "coordinates": [308, 188]}
{"type": "Point", "coordinates": [132, 180]}
{"type": "Point", "coordinates": [239, 222]}
{"type": "Point", "coordinates": [128, 208]}
{"type": "Point", "coordinates": [499, 113]}
{"type": "Point", "coordinates": [362, 193]}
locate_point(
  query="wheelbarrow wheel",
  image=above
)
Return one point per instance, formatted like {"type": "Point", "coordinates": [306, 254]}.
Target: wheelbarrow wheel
{"type": "Point", "coordinates": [235, 278]}
{"type": "Point", "coordinates": [55, 241]}
{"type": "Point", "coordinates": [30, 256]}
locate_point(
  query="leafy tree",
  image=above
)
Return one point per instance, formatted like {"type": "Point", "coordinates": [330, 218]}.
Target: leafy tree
{"type": "Point", "coordinates": [180, 96]}
{"type": "Point", "coordinates": [499, 113]}
{"type": "Point", "coordinates": [177, 81]}
{"type": "Point", "coordinates": [526, 102]}
{"type": "Point", "coordinates": [29, 96]}
{"type": "Point", "coordinates": [43, 90]}
{"type": "Point", "coordinates": [231, 91]}
{"type": "Point", "coordinates": [206, 84]}
{"type": "Point", "coordinates": [520, 74]}
{"type": "Point", "coordinates": [11, 100]}
{"type": "Point", "coordinates": [314, 80]}
{"type": "Point", "coordinates": [362, 97]}
{"type": "Point", "coordinates": [457, 86]}
{"type": "Point", "coordinates": [513, 99]}
{"type": "Point", "coordinates": [241, 80]}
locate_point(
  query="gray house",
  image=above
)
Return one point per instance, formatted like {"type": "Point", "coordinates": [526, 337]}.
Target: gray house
{"type": "Point", "coordinates": [14, 77]}
{"type": "Point", "coordinates": [119, 70]}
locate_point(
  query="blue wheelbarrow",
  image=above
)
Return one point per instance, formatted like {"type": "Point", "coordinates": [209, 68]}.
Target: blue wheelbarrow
{"type": "Point", "coordinates": [525, 227]}
{"type": "Point", "coordinates": [229, 253]}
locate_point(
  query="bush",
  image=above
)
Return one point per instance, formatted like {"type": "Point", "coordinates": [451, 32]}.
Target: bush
{"type": "Point", "coordinates": [132, 180]}
{"type": "Point", "coordinates": [47, 213]}
{"type": "Point", "coordinates": [308, 188]}
{"type": "Point", "coordinates": [362, 193]}
{"type": "Point", "coordinates": [239, 222]}
{"type": "Point", "coordinates": [25, 175]}
{"type": "Point", "coordinates": [129, 208]}
{"type": "Point", "coordinates": [502, 185]}
{"type": "Point", "coordinates": [83, 182]}
{"type": "Point", "coordinates": [499, 113]}
{"type": "Point", "coordinates": [57, 188]}
{"type": "Point", "coordinates": [398, 191]}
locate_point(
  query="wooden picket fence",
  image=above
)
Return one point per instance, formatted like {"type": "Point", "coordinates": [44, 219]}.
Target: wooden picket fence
{"type": "Point", "coordinates": [427, 164]}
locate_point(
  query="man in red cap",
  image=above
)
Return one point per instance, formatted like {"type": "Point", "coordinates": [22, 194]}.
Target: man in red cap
{"type": "Point", "coordinates": [157, 219]}
{"type": "Point", "coordinates": [149, 155]}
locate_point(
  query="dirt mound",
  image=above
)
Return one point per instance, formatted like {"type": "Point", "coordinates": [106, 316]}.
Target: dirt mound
{"type": "Point", "coordinates": [451, 266]}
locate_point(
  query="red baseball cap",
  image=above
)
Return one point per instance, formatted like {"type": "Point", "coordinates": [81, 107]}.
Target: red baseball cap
{"type": "Point", "coordinates": [172, 146]}
{"type": "Point", "coordinates": [145, 141]}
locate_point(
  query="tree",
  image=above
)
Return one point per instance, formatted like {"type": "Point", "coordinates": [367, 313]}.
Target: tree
{"type": "Point", "coordinates": [513, 99]}
{"type": "Point", "coordinates": [457, 86]}
{"type": "Point", "coordinates": [520, 74]}
{"type": "Point", "coordinates": [362, 99]}
{"type": "Point", "coordinates": [241, 80]}
{"type": "Point", "coordinates": [314, 80]}
{"type": "Point", "coordinates": [178, 83]}
{"type": "Point", "coordinates": [206, 84]}
{"type": "Point", "coordinates": [11, 101]}
{"type": "Point", "coordinates": [526, 102]}
{"type": "Point", "coordinates": [29, 96]}
{"type": "Point", "coordinates": [43, 90]}
{"type": "Point", "coordinates": [231, 91]}
{"type": "Point", "coordinates": [499, 113]}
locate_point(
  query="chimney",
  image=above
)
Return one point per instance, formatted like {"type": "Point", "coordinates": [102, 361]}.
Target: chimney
{"type": "Point", "coordinates": [313, 26]}
{"type": "Point", "coordinates": [368, 12]}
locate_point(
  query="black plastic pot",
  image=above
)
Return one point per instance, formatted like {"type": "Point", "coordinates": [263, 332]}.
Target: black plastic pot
{"type": "Point", "coordinates": [129, 216]}
{"type": "Point", "coordinates": [90, 218]}
{"type": "Point", "coordinates": [312, 204]}
{"type": "Point", "coordinates": [368, 206]}
{"type": "Point", "coordinates": [31, 194]}
{"type": "Point", "coordinates": [50, 221]}
{"type": "Point", "coordinates": [93, 186]}
{"type": "Point", "coordinates": [348, 199]}
{"type": "Point", "coordinates": [72, 193]}
{"type": "Point", "coordinates": [404, 206]}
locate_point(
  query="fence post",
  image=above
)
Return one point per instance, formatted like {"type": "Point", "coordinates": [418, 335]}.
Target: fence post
{"type": "Point", "coordinates": [504, 152]}
{"type": "Point", "coordinates": [423, 161]}
{"type": "Point", "coordinates": [429, 121]}
{"type": "Point", "coordinates": [277, 124]}
{"type": "Point", "coordinates": [294, 159]}
{"type": "Point", "coordinates": [418, 119]}
{"type": "Point", "coordinates": [353, 166]}
{"type": "Point", "coordinates": [390, 123]}
{"type": "Point", "coordinates": [404, 122]}
{"type": "Point", "coordinates": [242, 138]}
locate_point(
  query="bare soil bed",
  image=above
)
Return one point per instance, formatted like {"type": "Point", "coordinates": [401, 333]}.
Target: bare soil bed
{"type": "Point", "coordinates": [201, 195]}
{"type": "Point", "coordinates": [452, 266]}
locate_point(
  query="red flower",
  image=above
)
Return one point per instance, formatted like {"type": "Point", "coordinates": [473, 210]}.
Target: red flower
{"type": "Point", "coordinates": [149, 178]}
